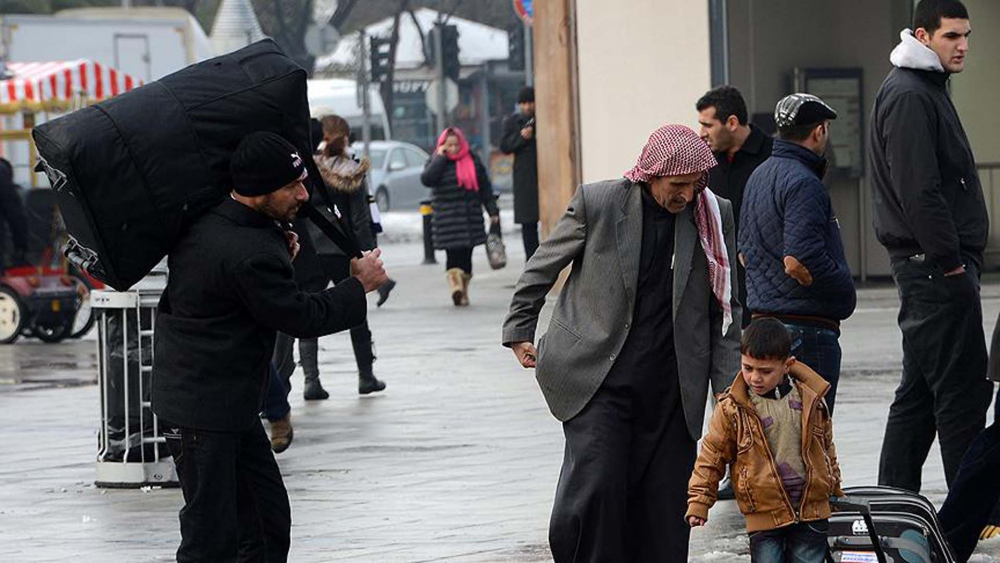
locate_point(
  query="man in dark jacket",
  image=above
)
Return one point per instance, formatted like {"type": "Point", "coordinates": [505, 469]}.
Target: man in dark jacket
{"type": "Point", "coordinates": [790, 240]}
{"type": "Point", "coordinates": [231, 288]}
{"type": "Point", "coordinates": [739, 147]}
{"type": "Point", "coordinates": [12, 217]}
{"type": "Point", "coordinates": [519, 139]}
{"type": "Point", "coordinates": [931, 217]}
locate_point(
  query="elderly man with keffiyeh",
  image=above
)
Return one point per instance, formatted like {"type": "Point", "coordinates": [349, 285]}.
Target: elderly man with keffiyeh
{"type": "Point", "coordinates": [645, 322]}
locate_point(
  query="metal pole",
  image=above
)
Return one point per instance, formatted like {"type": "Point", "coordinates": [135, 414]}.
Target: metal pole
{"type": "Point", "coordinates": [366, 105]}
{"type": "Point", "coordinates": [485, 105]}
{"type": "Point", "coordinates": [529, 57]}
{"type": "Point", "coordinates": [427, 214]}
{"type": "Point", "coordinates": [439, 65]}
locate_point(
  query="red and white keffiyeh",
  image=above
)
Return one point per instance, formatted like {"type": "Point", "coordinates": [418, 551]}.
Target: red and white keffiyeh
{"type": "Point", "coordinates": [675, 150]}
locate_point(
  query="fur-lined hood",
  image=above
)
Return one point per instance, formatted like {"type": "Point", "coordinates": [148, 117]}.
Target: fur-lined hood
{"type": "Point", "coordinates": [342, 173]}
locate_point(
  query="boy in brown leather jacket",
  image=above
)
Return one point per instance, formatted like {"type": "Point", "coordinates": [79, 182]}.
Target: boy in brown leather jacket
{"type": "Point", "coordinates": [773, 429]}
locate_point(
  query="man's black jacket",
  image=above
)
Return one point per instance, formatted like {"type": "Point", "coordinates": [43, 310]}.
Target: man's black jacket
{"type": "Point", "coordinates": [925, 187]}
{"type": "Point", "coordinates": [729, 179]}
{"type": "Point", "coordinates": [525, 154]}
{"type": "Point", "coordinates": [231, 288]}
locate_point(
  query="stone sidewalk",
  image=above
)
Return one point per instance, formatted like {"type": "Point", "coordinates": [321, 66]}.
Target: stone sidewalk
{"type": "Point", "coordinates": [456, 461]}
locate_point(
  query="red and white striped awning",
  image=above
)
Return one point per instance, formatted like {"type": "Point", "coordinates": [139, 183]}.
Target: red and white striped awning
{"type": "Point", "coordinates": [61, 83]}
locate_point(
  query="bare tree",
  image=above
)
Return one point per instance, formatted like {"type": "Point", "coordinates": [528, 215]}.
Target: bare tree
{"type": "Point", "coordinates": [343, 11]}
{"type": "Point", "coordinates": [286, 21]}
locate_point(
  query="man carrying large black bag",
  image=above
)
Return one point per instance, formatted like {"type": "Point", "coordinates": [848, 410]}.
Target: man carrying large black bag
{"type": "Point", "coordinates": [231, 288]}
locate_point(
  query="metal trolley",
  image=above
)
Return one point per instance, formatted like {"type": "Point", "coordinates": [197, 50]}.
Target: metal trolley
{"type": "Point", "coordinates": [131, 448]}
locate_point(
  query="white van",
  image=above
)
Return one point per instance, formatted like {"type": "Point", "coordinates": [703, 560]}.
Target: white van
{"type": "Point", "coordinates": [340, 97]}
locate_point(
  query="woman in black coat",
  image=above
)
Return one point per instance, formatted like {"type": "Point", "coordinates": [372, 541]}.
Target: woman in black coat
{"type": "Point", "coordinates": [460, 189]}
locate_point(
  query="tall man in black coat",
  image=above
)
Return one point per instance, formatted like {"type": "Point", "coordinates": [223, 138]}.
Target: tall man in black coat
{"type": "Point", "coordinates": [519, 139]}
{"type": "Point", "coordinates": [231, 288]}
{"type": "Point", "coordinates": [931, 217]}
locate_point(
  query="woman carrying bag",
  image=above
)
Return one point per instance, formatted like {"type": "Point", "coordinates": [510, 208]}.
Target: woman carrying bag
{"type": "Point", "coordinates": [460, 189]}
{"type": "Point", "coordinates": [345, 178]}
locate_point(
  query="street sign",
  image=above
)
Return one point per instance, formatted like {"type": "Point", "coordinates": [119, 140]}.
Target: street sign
{"type": "Point", "coordinates": [321, 40]}
{"type": "Point", "coordinates": [450, 95]}
{"type": "Point", "coordinates": [525, 9]}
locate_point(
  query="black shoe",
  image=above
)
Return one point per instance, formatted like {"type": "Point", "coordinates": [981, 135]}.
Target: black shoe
{"type": "Point", "coordinates": [369, 384]}
{"type": "Point", "coordinates": [314, 391]}
{"type": "Point", "coordinates": [383, 292]}
{"type": "Point", "coordinates": [726, 490]}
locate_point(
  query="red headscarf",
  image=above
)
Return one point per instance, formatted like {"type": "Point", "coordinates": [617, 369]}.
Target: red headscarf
{"type": "Point", "coordinates": [465, 167]}
{"type": "Point", "coordinates": [675, 150]}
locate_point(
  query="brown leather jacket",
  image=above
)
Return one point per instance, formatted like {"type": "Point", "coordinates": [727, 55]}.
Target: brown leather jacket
{"type": "Point", "coordinates": [736, 437]}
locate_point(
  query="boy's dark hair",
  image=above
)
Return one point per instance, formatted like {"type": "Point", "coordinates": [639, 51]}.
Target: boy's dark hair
{"type": "Point", "coordinates": [766, 339]}
{"type": "Point", "coordinates": [797, 133]}
{"type": "Point", "coordinates": [928, 13]}
{"type": "Point", "coordinates": [727, 100]}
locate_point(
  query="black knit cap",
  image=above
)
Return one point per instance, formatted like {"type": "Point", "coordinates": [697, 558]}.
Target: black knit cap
{"type": "Point", "coordinates": [263, 163]}
{"type": "Point", "coordinates": [526, 94]}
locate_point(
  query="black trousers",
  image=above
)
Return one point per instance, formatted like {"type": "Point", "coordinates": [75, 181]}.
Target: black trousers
{"type": "Point", "coordinates": [459, 258]}
{"type": "Point", "coordinates": [529, 233]}
{"type": "Point", "coordinates": [338, 269]}
{"type": "Point", "coordinates": [622, 492]}
{"type": "Point", "coordinates": [235, 504]}
{"type": "Point", "coordinates": [944, 389]}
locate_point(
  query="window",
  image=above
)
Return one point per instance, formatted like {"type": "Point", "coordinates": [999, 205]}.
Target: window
{"type": "Point", "coordinates": [377, 157]}
{"type": "Point", "coordinates": [416, 158]}
{"type": "Point", "coordinates": [397, 160]}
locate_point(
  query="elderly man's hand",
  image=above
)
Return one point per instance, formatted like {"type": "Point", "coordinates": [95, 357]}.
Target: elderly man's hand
{"type": "Point", "coordinates": [526, 353]}
{"type": "Point", "coordinates": [695, 521]}
{"type": "Point", "coordinates": [369, 270]}
{"type": "Point", "coordinates": [797, 270]}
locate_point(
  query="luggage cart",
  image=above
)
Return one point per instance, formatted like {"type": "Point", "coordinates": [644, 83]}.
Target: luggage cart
{"type": "Point", "coordinates": [131, 448]}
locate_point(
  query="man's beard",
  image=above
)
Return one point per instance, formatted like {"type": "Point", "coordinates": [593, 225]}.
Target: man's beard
{"type": "Point", "coordinates": [267, 207]}
{"type": "Point", "coordinates": [724, 141]}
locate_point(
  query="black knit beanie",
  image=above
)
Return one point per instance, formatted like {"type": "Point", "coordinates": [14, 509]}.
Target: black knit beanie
{"type": "Point", "coordinates": [263, 163]}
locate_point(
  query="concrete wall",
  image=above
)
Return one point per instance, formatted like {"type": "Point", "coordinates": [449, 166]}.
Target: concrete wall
{"type": "Point", "coordinates": [641, 64]}
{"type": "Point", "coordinates": [769, 38]}
{"type": "Point", "coordinates": [974, 92]}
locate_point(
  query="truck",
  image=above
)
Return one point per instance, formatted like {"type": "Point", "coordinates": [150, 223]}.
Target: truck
{"type": "Point", "coordinates": [147, 43]}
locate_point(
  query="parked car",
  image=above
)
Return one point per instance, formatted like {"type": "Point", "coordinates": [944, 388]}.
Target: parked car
{"type": "Point", "coordinates": [396, 169]}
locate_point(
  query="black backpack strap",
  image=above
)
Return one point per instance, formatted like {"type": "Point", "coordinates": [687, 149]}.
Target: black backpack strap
{"type": "Point", "coordinates": [334, 230]}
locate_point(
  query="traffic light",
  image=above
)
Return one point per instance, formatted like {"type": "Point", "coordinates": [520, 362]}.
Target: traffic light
{"type": "Point", "coordinates": [449, 51]}
{"type": "Point", "coordinates": [515, 46]}
{"type": "Point", "coordinates": [378, 56]}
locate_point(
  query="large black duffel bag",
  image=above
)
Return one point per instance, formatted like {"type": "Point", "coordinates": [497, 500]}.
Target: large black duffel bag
{"type": "Point", "coordinates": [132, 172]}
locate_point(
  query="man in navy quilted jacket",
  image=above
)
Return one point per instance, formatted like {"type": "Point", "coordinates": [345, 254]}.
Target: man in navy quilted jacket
{"type": "Point", "coordinates": [789, 239]}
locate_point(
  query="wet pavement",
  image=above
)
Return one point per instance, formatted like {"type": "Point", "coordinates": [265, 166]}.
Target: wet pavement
{"type": "Point", "coordinates": [456, 461]}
